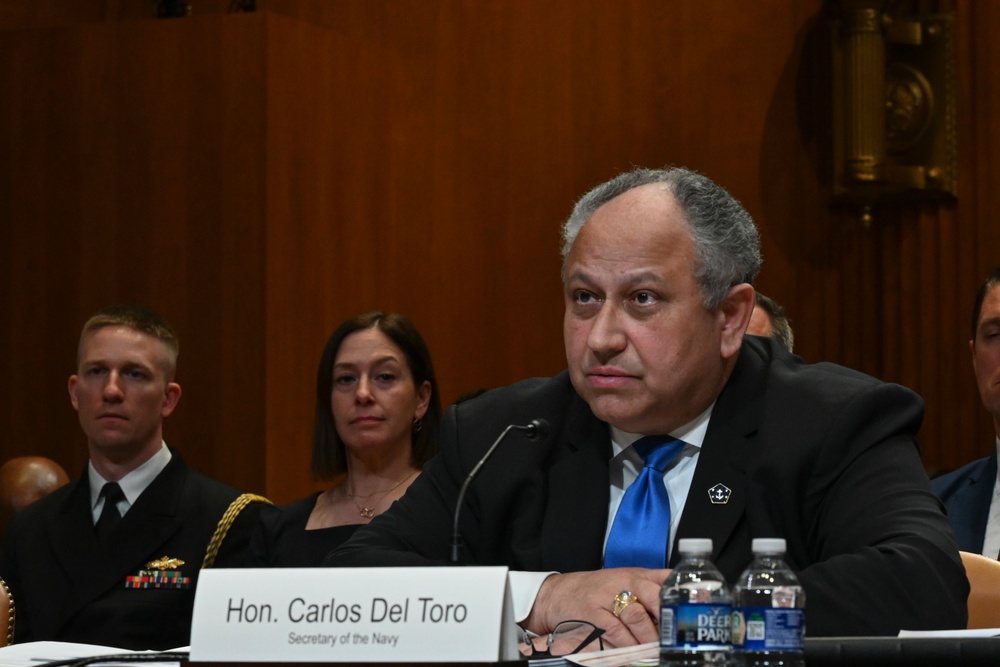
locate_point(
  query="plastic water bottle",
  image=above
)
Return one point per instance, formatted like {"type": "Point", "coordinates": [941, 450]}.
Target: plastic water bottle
{"type": "Point", "coordinates": [769, 615]}
{"type": "Point", "coordinates": [695, 610]}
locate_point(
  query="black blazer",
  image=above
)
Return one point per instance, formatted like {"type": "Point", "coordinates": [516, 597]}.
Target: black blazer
{"type": "Point", "coordinates": [818, 454]}
{"type": "Point", "coordinates": [67, 588]}
{"type": "Point", "coordinates": [281, 538]}
{"type": "Point", "coordinates": [967, 494]}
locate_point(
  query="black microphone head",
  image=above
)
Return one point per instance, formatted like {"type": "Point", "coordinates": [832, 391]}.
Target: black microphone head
{"type": "Point", "coordinates": [538, 429]}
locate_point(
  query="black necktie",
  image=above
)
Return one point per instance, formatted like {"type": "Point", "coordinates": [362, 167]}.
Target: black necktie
{"type": "Point", "coordinates": [110, 516]}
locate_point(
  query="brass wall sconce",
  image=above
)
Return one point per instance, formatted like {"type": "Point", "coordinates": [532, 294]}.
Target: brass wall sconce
{"type": "Point", "coordinates": [894, 105]}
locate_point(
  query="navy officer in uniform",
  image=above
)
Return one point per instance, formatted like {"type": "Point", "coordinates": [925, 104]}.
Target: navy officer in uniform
{"type": "Point", "coordinates": [113, 557]}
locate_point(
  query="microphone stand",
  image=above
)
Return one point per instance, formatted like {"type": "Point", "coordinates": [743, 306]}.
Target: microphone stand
{"type": "Point", "coordinates": [538, 428]}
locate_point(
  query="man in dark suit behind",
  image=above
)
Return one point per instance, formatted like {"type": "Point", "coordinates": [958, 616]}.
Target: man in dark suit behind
{"type": "Point", "coordinates": [657, 267]}
{"type": "Point", "coordinates": [970, 493]}
{"type": "Point", "coordinates": [120, 569]}
{"type": "Point", "coordinates": [769, 319]}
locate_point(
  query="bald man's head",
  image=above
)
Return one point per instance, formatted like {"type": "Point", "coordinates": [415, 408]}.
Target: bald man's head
{"type": "Point", "coordinates": [25, 479]}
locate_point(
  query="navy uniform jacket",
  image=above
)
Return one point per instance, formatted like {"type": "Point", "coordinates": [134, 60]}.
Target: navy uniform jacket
{"type": "Point", "coordinates": [821, 455]}
{"type": "Point", "coordinates": [966, 494]}
{"type": "Point", "coordinates": [66, 588]}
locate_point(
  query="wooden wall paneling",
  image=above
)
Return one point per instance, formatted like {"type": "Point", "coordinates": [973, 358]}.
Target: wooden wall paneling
{"type": "Point", "coordinates": [324, 251]}
{"type": "Point", "coordinates": [198, 119]}
{"type": "Point", "coordinates": [874, 293]}
{"type": "Point", "coordinates": [919, 342]}
{"type": "Point", "coordinates": [949, 370]}
{"type": "Point", "coordinates": [904, 271]}
{"type": "Point", "coordinates": [792, 220]}
{"type": "Point", "coordinates": [790, 207]}
{"type": "Point", "coordinates": [26, 14]}
{"type": "Point", "coordinates": [414, 232]}
{"type": "Point", "coordinates": [921, 321]}
{"type": "Point", "coordinates": [499, 118]}
{"type": "Point", "coordinates": [293, 167]}
{"type": "Point", "coordinates": [978, 28]}
{"type": "Point", "coordinates": [461, 135]}
{"type": "Point", "coordinates": [897, 285]}
{"type": "Point", "coordinates": [34, 390]}
{"type": "Point", "coordinates": [933, 322]}
{"type": "Point", "coordinates": [34, 14]}
{"type": "Point", "coordinates": [228, 207]}
{"type": "Point", "coordinates": [966, 435]}
{"type": "Point", "coordinates": [140, 190]}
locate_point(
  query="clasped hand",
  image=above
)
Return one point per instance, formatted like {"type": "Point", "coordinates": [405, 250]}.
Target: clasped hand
{"type": "Point", "coordinates": [589, 596]}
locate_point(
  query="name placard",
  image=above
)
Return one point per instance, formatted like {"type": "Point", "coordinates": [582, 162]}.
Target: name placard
{"type": "Point", "coordinates": [412, 614]}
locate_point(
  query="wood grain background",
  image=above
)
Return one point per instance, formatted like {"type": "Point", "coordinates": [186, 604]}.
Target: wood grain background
{"type": "Point", "coordinates": [259, 177]}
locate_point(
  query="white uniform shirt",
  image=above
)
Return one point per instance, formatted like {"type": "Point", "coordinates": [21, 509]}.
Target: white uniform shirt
{"type": "Point", "coordinates": [133, 484]}
{"type": "Point", "coordinates": [991, 542]}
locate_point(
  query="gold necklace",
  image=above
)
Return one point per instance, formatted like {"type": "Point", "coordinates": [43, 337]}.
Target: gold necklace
{"type": "Point", "coordinates": [369, 512]}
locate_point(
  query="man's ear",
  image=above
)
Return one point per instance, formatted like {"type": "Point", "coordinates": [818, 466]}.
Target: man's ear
{"type": "Point", "coordinates": [734, 317]}
{"type": "Point", "coordinates": [72, 392]}
{"type": "Point", "coordinates": [171, 395]}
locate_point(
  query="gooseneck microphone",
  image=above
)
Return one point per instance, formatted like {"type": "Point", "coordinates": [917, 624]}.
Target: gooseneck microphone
{"type": "Point", "coordinates": [538, 429]}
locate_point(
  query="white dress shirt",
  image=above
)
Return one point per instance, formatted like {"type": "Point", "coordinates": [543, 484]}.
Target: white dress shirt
{"type": "Point", "coordinates": [991, 542]}
{"type": "Point", "coordinates": [626, 464]}
{"type": "Point", "coordinates": [133, 484]}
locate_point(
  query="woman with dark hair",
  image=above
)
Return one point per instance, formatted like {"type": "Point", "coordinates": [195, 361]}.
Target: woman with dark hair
{"type": "Point", "coordinates": [377, 417]}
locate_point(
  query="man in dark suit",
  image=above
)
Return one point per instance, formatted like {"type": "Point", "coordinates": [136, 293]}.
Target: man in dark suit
{"type": "Point", "coordinates": [657, 270]}
{"type": "Point", "coordinates": [768, 319]}
{"type": "Point", "coordinates": [113, 557]}
{"type": "Point", "coordinates": [970, 493]}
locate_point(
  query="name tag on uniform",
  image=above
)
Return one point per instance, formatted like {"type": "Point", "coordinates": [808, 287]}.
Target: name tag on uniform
{"type": "Point", "coordinates": [436, 614]}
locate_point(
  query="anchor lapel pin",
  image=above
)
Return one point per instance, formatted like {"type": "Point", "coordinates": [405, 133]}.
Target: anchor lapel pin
{"type": "Point", "coordinates": [719, 494]}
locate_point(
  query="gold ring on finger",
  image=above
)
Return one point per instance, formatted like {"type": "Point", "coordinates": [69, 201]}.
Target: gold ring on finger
{"type": "Point", "coordinates": [622, 600]}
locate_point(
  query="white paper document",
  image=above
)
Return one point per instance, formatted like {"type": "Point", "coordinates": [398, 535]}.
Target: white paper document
{"type": "Point", "coordinates": [36, 654]}
{"type": "Point", "coordinates": [643, 654]}
{"type": "Point", "coordinates": [958, 634]}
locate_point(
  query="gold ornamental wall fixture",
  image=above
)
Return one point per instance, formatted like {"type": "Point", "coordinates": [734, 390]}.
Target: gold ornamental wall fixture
{"type": "Point", "coordinates": [894, 104]}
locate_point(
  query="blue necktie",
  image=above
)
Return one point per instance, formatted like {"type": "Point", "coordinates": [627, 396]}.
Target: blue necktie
{"type": "Point", "coordinates": [639, 534]}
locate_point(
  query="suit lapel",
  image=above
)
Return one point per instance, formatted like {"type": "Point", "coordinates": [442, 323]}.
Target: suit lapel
{"type": "Point", "coordinates": [971, 509]}
{"type": "Point", "coordinates": [577, 508]}
{"type": "Point", "coordinates": [75, 547]}
{"type": "Point", "coordinates": [719, 493]}
{"type": "Point", "coordinates": [717, 499]}
{"type": "Point", "coordinates": [150, 522]}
